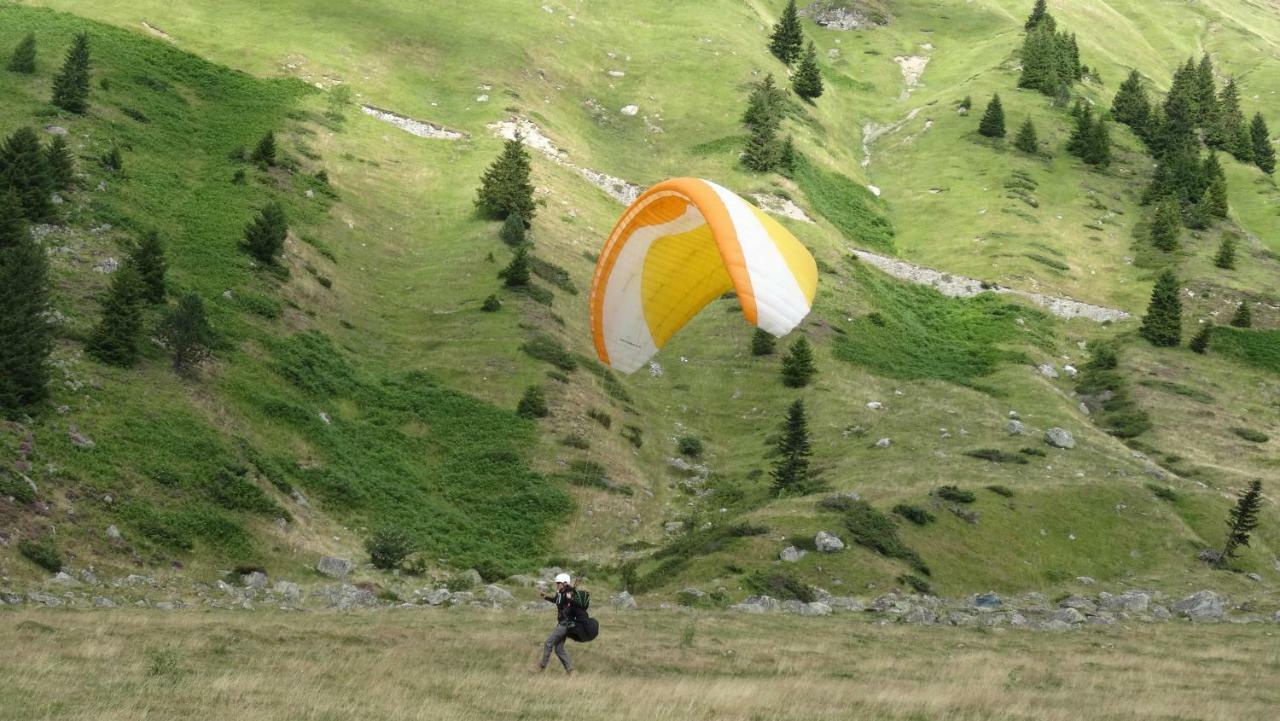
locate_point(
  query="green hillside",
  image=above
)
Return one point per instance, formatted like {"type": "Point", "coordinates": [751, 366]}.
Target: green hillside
{"type": "Point", "coordinates": [364, 375]}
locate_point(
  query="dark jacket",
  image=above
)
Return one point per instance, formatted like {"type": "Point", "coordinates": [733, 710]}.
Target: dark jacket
{"type": "Point", "coordinates": [567, 609]}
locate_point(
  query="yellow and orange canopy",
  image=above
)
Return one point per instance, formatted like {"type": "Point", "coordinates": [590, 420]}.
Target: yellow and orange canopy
{"type": "Point", "coordinates": [679, 246]}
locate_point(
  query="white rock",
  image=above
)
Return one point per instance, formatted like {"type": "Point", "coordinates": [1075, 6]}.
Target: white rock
{"type": "Point", "coordinates": [1059, 438]}
{"type": "Point", "coordinates": [875, 405]}
{"type": "Point", "coordinates": [874, 190]}
{"type": "Point", "coordinates": [883, 443]}
{"type": "Point", "coordinates": [827, 542]}
{"type": "Point", "coordinates": [1048, 371]}
{"type": "Point", "coordinates": [630, 109]}
{"type": "Point", "coordinates": [791, 554]}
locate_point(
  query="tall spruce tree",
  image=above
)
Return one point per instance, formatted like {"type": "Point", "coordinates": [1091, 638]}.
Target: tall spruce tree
{"type": "Point", "coordinates": [762, 152]}
{"type": "Point", "coordinates": [797, 367]}
{"type": "Point", "coordinates": [1242, 520]}
{"type": "Point", "coordinates": [1215, 201]}
{"type": "Point", "coordinates": [1097, 145]}
{"type": "Point", "coordinates": [1040, 62]}
{"type": "Point", "coordinates": [1162, 324]}
{"type": "Point", "coordinates": [1200, 343]}
{"type": "Point", "coordinates": [764, 105]}
{"type": "Point", "coordinates": [23, 59]}
{"type": "Point", "coordinates": [1131, 105]}
{"type": "Point", "coordinates": [788, 156]}
{"type": "Point", "coordinates": [1226, 257]}
{"type": "Point", "coordinates": [1026, 139]}
{"type": "Point", "coordinates": [264, 154]}
{"type": "Point", "coordinates": [1264, 154]}
{"type": "Point", "coordinates": [186, 333]}
{"type": "Point", "coordinates": [1243, 317]}
{"type": "Point", "coordinates": [115, 340]}
{"type": "Point", "coordinates": [25, 338]}
{"type": "Point", "coordinates": [1079, 140]}
{"type": "Point", "coordinates": [992, 123]}
{"type": "Point", "coordinates": [787, 40]}
{"type": "Point", "coordinates": [71, 85]}
{"type": "Point", "coordinates": [1038, 16]}
{"type": "Point", "coordinates": [58, 162]}
{"type": "Point", "coordinates": [264, 236]}
{"type": "Point", "coordinates": [505, 187]}
{"type": "Point", "coordinates": [807, 82]}
{"type": "Point", "coordinates": [1166, 226]}
{"type": "Point", "coordinates": [1206, 90]}
{"type": "Point", "coordinates": [762, 342]}
{"type": "Point", "coordinates": [516, 274]}
{"type": "Point", "coordinates": [1231, 133]}
{"type": "Point", "coordinates": [513, 230]}
{"type": "Point", "coordinates": [791, 474]}
{"type": "Point", "coordinates": [24, 169]}
{"type": "Point", "coordinates": [148, 258]}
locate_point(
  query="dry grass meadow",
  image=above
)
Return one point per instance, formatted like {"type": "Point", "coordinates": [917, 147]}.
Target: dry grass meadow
{"type": "Point", "coordinates": [250, 666]}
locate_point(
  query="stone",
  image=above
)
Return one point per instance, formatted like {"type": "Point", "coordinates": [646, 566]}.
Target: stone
{"type": "Point", "coordinates": [960, 618]}
{"type": "Point", "coordinates": [987, 600]}
{"type": "Point", "coordinates": [673, 526]}
{"type": "Point", "coordinates": [55, 130]}
{"type": "Point", "coordinates": [471, 577]}
{"type": "Point", "coordinates": [617, 74]}
{"type": "Point", "coordinates": [1276, 618]}
{"type": "Point", "coordinates": [1085, 580]}
{"type": "Point", "coordinates": [497, 595]}
{"type": "Point", "coordinates": [103, 602]}
{"type": "Point", "coordinates": [345, 597]}
{"type": "Point", "coordinates": [88, 576]}
{"type": "Point", "coordinates": [815, 608]}
{"type": "Point", "coordinates": [44, 599]}
{"type": "Point", "coordinates": [1128, 602]}
{"type": "Point", "coordinates": [63, 578]}
{"type": "Point", "coordinates": [113, 533]}
{"type": "Point", "coordinates": [758, 604]}
{"type": "Point", "coordinates": [1210, 556]}
{"type": "Point", "coordinates": [256, 580]}
{"type": "Point", "coordinates": [875, 405]}
{"type": "Point", "coordinates": [1015, 428]}
{"type": "Point", "coordinates": [1254, 577]}
{"type": "Point", "coordinates": [288, 589]}
{"type": "Point", "coordinates": [461, 598]}
{"type": "Point", "coordinates": [624, 601]}
{"type": "Point", "coordinates": [920, 616]}
{"type": "Point", "coordinates": [1067, 615]}
{"type": "Point", "coordinates": [1059, 438]}
{"type": "Point", "coordinates": [107, 265]}
{"type": "Point", "coordinates": [827, 542]}
{"type": "Point", "coordinates": [78, 439]}
{"type": "Point", "coordinates": [334, 567]}
{"type": "Point", "coordinates": [883, 443]}
{"type": "Point", "coordinates": [299, 499]}
{"type": "Point", "coordinates": [1070, 370]}
{"type": "Point", "coordinates": [438, 596]}
{"type": "Point", "coordinates": [1079, 603]}
{"type": "Point", "coordinates": [1201, 606]}
{"type": "Point", "coordinates": [791, 554]}
{"type": "Point", "coordinates": [844, 603]}
{"type": "Point", "coordinates": [1048, 371]}
{"type": "Point", "coordinates": [1160, 613]}
{"type": "Point", "coordinates": [630, 109]}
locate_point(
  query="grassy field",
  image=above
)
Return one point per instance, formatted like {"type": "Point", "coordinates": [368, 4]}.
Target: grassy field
{"type": "Point", "coordinates": [114, 666]}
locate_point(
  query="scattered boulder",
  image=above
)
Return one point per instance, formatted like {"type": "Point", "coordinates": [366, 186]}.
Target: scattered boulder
{"type": "Point", "coordinates": [1015, 428]}
{"type": "Point", "coordinates": [334, 567]}
{"type": "Point", "coordinates": [1201, 606]}
{"type": "Point", "coordinates": [1070, 370]}
{"type": "Point", "coordinates": [757, 604]}
{"type": "Point", "coordinates": [827, 542]}
{"type": "Point", "coordinates": [1048, 371]}
{"type": "Point", "coordinates": [883, 443]}
{"type": "Point", "coordinates": [1129, 601]}
{"type": "Point", "coordinates": [1079, 603]}
{"type": "Point", "coordinates": [1085, 580]}
{"type": "Point", "coordinates": [920, 616]}
{"type": "Point", "coordinates": [673, 526]}
{"type": "Point", "coordinates": [624, 601]}
{"type": "Point", "coordinates": [113, 533]}
{"type": "Point", "coordinates": [345, 597]}
{"type": "Point", "coordinates": [103, 602]}
{"type": "Point", "coordinates": [498, 595]}
{"type": "Point", "coordinates": [1069, 616]}
{"type": "Point", "coordinates": [844, 603]}
{"type": "Point", "coordinates": [791, 554]}
{"type": "Point", "coordinates": [987, 600]}
{"type": "Point", "coordinates": [630, 109]}
{"type": "Point", "coordinates": [78, 439]}
{"type": "Point", "coordinates": [438, 596]}
{"type": "Point", "coordinates": [1059, 438]}
{"type": "Point", "coordinates": [256, 580]}
{"type": "Point", "coordinates": [288, 589]}
{"type": "Point", "coordinates": [472, 577]}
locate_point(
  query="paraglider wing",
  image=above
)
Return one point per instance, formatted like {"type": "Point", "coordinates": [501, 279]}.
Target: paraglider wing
{"type": "Point", "coordinates": [679, 246]}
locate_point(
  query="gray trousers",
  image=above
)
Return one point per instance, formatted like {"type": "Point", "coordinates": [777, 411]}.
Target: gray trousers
{"type": "Point", "coordinates": [556, 641]}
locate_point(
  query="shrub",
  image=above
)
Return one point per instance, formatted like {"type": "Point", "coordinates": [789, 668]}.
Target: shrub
{"type": "Point", "coordinates": [917, 584]}
{"type": "Point", "coordinates": [915, 514]}
{"type": "Point", "coordinates": [762, 342]}
{"type": "Point", "coordinates": [1250, 435]}
{"type": "Point", "coordinates": [996, 456]}
{"type": "Point", "coordinates": [780, 585]}
{"type": "Point", "coordinates": [1163, 492]}
{"type": "Point", "coordinates": [491, 304]}
{"type": "Point", "coordinates": [872, 529]}
{"type": "Point", "coordinates": [553, 274]}
{"type": "Point", "coordinates": [532, 404]}
{"type": "Point", "coordinates": [388, 546]}
{"type": "Point", "coordinates": [690, 446]}
{"type": "Point", "coordinates": [573, 440]}
{"type": "Point", "coordinates": [840, 502]}
{"type": "Point", "coordinates": [633, 435]}
{"type": "Point", "coordinates": [1001, 491]}
{"type": "Point", "coordinates": [19, 489]}
{"type": "Point", "coordinates": [1029, 451]}
{"type": "Point", "coordinates": [549, 350]}
{"type": "Point", "coordinates": [600, 417]}
{"type": "Point", "coordinates": [43, 554]}
{"type": "Point", "coordinates": [955, 495]}
{"type": "Point", "coordinates": [745, 530]}
{"type": "Point", "coordinates": [459, 582]}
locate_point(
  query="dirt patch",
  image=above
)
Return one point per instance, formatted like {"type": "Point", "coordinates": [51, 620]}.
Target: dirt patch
{"type": "Point", "coordinates": [872, 132]}
{"type": "Point", "coordinates": [780, 206]}
{"type": "Point", "coordinates": [152, 29]}
{"type": "Point", "coordinates": [420, 128]}
{"type": "Point", "coordinates": [912, 69]}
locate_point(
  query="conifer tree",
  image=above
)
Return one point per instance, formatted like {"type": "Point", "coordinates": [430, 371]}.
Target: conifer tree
{"type": "Point", "coordinates": [1215, 200]}
{"type": "Point", "coordinates": [1206, 90]}
{"type": "Point", "coordinates": [1226, 257]}
{"type": "Point", "coordinates": [516, 274]}
{"type": "Point", "coordinates": [24, 169]}
{"type": "Point", "coordinates": [1079, 140]}
{"type": "Point", "coordinates": [762, 152]}
{"type": "Point", "coordinates": [1026, 140]}
{"type": "Point", "coordinates": [58, 162]}
{"type": "Point", "coordinates": [513, 230]}
{"type": "Point", "coordinates": [1038, 15]}
{"type": "Point", "coordinates": [1040, 62]}
{"type": "Point", "coordinates": [992, 123]}
{"type": "Point", "coordinates": [1131, 105]}
{"type": "Point", "coordinates": [264, 154]}
{"type": "Point", "coordinates": [24, 56]}
{"type": "Point", "coordinates": [764, 105]}
{"type": "Point", "coordinates": [186, 332]}
{"type": "Point", "coordinates": [762, 342]}
{"type": "Point", "coordinates": [1264, 154]}
{"type": "Point", "coordinates": [1166, 226]}
{"type": "Point", "coordinates": [25, 338]}
{"type": "Point", "coordinates": [798, 367]}
{"type": "Point", "coordinates": [148, 258]}
{"type": "Point", "coordinates": [807, 82]}
{"type": "Point", "coordinates": [787, 157]}
{"type": "Point", "coordinates": [1071, 57]}
{"type": "Point", "coordinates": [1243, 317]}
{"type": "Point", "coordinates": [1242, 520]}
{"type": "Point", "coordinates": [71, 86]}
{"type": "Point", "coordinates": [1200, 343]}
{"type": "Point", "coordinates": [533, 404]}
{"type": "Point", "coordinates": [1231, 133]}
{"type": "Point", "coordinates": [505, 187]}
{"type": "Point", "coordinates": [1097, 145]}
{"type": "Point", "coordinates": [115, 339]}
{"type": "Point", "coordinates": [787, 40]}
{"type": "Point", "coordinates": [264, 237]}
{"type": "Point", "coordinates": [791, 474]}
{"type": "Point", "coordinates": [1162, 324]}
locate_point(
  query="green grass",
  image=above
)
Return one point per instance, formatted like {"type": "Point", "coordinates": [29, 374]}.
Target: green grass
{"type": "Point", "coordinates": [850, 207]}
{"type": "Point", "coordinates": [1258, 348]}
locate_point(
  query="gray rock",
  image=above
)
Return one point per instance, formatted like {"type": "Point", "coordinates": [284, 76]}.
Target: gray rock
{"type": "Point", "coordinates": [1160, 613]}
{"type": "Point", "coordinates": [1102, 618]}
{"type": "Point", "coordinates": [334, 567]}
{"type": "Point", "coordinates": [623, 600]}
{"type": "Point", "coordinates": [78, 439]}
{"type": "Point", "coordinates": [673, 526]}
{"type": "Point", "coordinates": [299, 499]}
{"type": "Point", "coordinates": [44, 599]}
{"type": "Point", "coordinates": [844, 603]}
{"type": "Point", "coordinates": [1254, 577]}
{"type": "Point", "coordinates": [256, 580]}
{"type": "Point", "coordinates": [1070, 370]}
{"type": "Point", "coordinates": [1054, 625]}
{"type": "Point", "coordinates": [1210, 556]}
{"type": "Point", "coordinates": [1276, 618]}
{"type": "Point", "coordinates": [630, 109]}
{"type": "Point", "coordinates": [1059, 438]}
{"type": "Point", "coordinates": [1129, 601]}
{"type": "Point", "coordinates": [498, 595]}
{"type": "Point", "coordinates": [1084, 580]}
{"type": "Point", "coordinates": [920, 616]}
{"type": "Point", "coordinates": [752, 608]}
{"type": "Point", "coordinates": [1015, 428]}
{"type": "Point", "coordinates": [461, 598]}
{"type": "Point", "coordinates": [1079, 603]}
{"type": "Point", "coordinates": [438, 596]}
{"type": "Point", "coordinates": [227, 588]}
{"type": "Point", "coordinates": [765, 604]}
{"type": "Point", "coordinates": [55, 130]}
{"type": "Point", "coordinates": [987, 600]}
{"type": "Point", "coordinates": [166, 605]}
{"type": "Point", "coordinates": [62, 578]}
{"type": "Point", "coordinates": [11, 598]}
{"type": "Point", "coordinates": [791, 554]}
{"type": "Point", "coordinates": [1067, 615]}
{"type": "Point", "coordinates": [1047, 370]}
{"type": "Point", "coordinates": [103, 602]}
{"type": "Point", "coordinates": [472, 577]}
{"type": "Point", "coordinates": [815, 608]}
{"type": "Point", "coordinates": [884, 443]}
{"type": "Point", "coordinates": [1201, 606]}
{"type": "Point", "coordinates": [133, 580]}
{"type": "Point", "coordinates": [88, 576]}
{"type": "Point", "coordinates": [345, 597]}
{"type": "Point", "coordinates": [827, 542]}
{"type": "Point", "coordinates": [289, 590]}
{"type": "Point", "coordinates": [113, 533]}
{"type": "Point", "coordinates": [960, 618]}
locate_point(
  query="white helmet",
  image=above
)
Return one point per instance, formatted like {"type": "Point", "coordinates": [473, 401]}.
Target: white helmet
{"type": "Point", "coordinates": [562, 578]}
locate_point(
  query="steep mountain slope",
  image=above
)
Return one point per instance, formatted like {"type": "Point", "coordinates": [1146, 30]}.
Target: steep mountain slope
{"type": "Point", "coordinates": [411, 263]}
